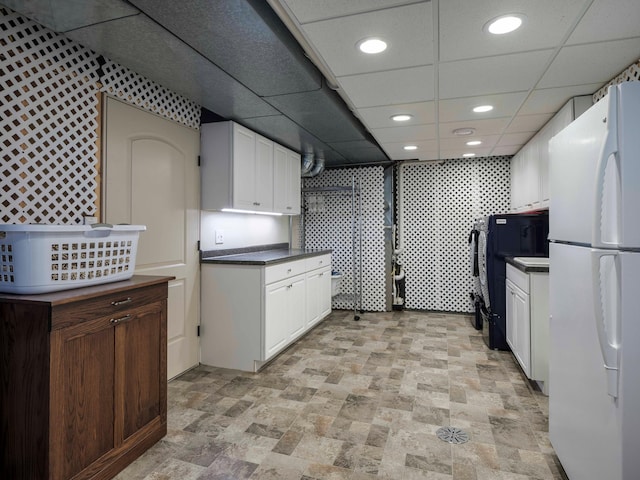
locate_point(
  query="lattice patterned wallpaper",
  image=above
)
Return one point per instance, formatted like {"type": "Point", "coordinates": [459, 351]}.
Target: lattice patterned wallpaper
{"type": "Point", "coordinates": [49, 120]}
{"type": "Point", "coordinates": [629, 74]}
{"type": "Point", "coordinates": [437, 205]}
{"type": "Point", "coordinates": [328, 225]}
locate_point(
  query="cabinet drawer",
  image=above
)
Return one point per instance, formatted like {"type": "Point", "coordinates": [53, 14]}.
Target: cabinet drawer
{"type": "Point", "coordinates": [283, 270]}
{"type": "Point", "coordinates": [518, 278]}
{"type": "Point", "coordinates": [320, 261]}
{"type": "Point", "coordinates": [117, 304]}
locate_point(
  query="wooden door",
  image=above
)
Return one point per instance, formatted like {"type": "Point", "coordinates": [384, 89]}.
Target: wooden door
{"type": "Point", "coordinates": [152, 178]}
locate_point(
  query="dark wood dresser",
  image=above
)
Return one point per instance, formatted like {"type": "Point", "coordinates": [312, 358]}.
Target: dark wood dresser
{"type": "Point", "coordinates": [83, 379]}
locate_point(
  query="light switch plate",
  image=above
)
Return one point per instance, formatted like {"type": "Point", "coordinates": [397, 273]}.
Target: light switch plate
{"type": "Point", "coordinates": [219, 237]}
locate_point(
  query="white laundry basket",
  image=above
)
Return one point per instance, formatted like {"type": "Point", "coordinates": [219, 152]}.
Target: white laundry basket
{"type": "Point", "coordinates": [48, 258]}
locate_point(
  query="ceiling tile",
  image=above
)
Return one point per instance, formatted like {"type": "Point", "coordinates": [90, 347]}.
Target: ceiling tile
{"type": "Point", "coordinates": [133, 42]}
{"type": "Point", "coordinates": [407, 31]}
{"type": "Point", "coordinates": [388, 88]}
{"type": "Point", "coordinates": [607, 20]}
{"type": "Point", "coordinates": [500, 74]}
{"type": "Point", "coordinates": [459, 152]}
{"type": "Point", "coordinates": [313, 10]}
{"type": "Point", "coordinates": [550, 100]}
{"type": "Point", "coordinates": [405, 134]}
{"type": "Point", "coordinates": [240, 38]}
{"type": "Point", "coordinates": [575, 65]}
{"type": "Point", "coordinates": [453, 143]}
{"type": "Point", "coordinates": [506, 150]}
{"type": "Point", "coordinates": [320, 112]}
{"type": "Point", "coordinates": [510, 139]}
{"type": "Point", "coordinates": [490, 126]}
{"type": "Point", "coordinates": [379, 117]}
{"type": "Point", "coordinates": [427, 150]}
{"type": "Point", "coordinates": [68, 15]}
{"type": "Point", "coordinates": [462, 22]}
{"type": "Point", "coordinates": [528, 123]}
{"type": "Point", "coordinates": [456, 109]}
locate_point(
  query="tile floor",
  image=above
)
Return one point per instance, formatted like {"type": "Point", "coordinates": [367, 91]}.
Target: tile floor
{"type": "Point", "coordinates": [359, 400]}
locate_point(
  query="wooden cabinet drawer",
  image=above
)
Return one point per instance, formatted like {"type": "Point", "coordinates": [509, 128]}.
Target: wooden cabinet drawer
{"type": "Point", "coordinates": [284, 270]}
{"type": "Point", "coordinates": [113, 304]}
{"type": "Point", "coordinates": [318, 262]}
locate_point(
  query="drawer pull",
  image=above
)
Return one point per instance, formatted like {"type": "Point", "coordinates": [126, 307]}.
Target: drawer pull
{"type": "Point", "coordinates": [122, 302]}
{"type": "Point", "coordinates": [289, 208]}
{"type": "Point", "coordinates": [289, 270]}
{"type": "Point", "coordinates": [121, 319]}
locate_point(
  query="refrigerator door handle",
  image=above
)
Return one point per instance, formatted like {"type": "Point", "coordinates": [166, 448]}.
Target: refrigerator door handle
{"type": "Point", "coordinates": [607, 314]}
{"type": "Point", "coordinates": [609, 148]}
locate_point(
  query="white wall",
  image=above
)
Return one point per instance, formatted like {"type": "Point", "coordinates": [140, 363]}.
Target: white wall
{"type": "Point", "coordinates": [242, 230]}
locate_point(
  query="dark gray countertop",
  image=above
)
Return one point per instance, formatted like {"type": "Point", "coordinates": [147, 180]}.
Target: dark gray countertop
{"type": "Point", "coordinates": [527, 268]}
{"type": "Point", "coordinates": [264, 257]}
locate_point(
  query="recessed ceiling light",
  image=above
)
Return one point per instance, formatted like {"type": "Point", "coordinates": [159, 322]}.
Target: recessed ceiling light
{"type": "Point", "coordinates": [410, 147]}
{"type": "Point", "coordinates": [504, 23]}
{"type": "Point", "coordinates": [464, 131]}
{"type": "Point", "coordinates": [468, 155]}
{"type": "Point", "coordinates": [372, 45]}
{"type": "Point", "coordinates": [483, 108]}
{"type": "Point", "coordinates": [473, 143]}
{"type": "Point", "coordinates": [402, 117]}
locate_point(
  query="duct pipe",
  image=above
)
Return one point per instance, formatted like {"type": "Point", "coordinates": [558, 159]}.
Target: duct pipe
{"type": "Point", "coordinates": [318, 168]}
{"type": "Point", "coordinates": [307, 164]}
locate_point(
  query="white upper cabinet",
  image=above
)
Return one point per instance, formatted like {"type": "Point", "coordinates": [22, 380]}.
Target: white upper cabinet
{"type": "Point", "coordinates": [243, 170]}
{"type": "Point", "coordinates": [530, 166]}
{"type": "Point", "coordinates": [286, 181]}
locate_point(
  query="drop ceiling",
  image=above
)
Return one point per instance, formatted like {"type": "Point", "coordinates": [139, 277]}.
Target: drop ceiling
{"type": "Point", "coordinates": [440, 63]}
{"type": "Point", "coordinates": [290, 70]}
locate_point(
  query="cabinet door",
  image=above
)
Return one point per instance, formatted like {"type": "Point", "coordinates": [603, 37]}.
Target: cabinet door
{"type": "Point", "coordinates": [294, 184]}
{"type": "Point", "coordinates": [263, 175]}
{"type": "Point", "coordinates": [281, 173]}
{"type": "Point", "coordinates": [297, 307]}
{"type": "Point", "coordinates": [244, 168]}
{"type": "Point", "coordinates": [275, 320]}
{"type": "Point", "coordinates": [82, 396]}
{"type": "Point", "coordinates": [313, 308]}
{"type": "Point", "coordinates": [511, 324]}
{"type": "Point", "coordinates": [543, 155]}
{"type": "Point", "coordinates": [517, 197]}
{"type": "Point", "coordinates": [325, 293]}
{"type": "Point", "coordinates": [140, 367]}
{"type": "Point", "coordinates": [523, 331]}
{"type": "Point", "coordinates": [519, 325]}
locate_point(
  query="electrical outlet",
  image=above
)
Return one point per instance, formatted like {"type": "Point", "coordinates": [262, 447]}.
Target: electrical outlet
{"type": "Point", "coordinates": [219, 237]}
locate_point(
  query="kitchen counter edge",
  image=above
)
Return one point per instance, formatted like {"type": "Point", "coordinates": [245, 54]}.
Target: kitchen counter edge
{"type": "Point", "coordinates": [527, 269]}
{"type": "Point", "coordinates": [266, 257]}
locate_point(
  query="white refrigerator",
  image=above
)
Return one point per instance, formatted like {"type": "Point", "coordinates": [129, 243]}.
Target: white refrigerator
{"type": "Point", "coordinates": [594, 257]}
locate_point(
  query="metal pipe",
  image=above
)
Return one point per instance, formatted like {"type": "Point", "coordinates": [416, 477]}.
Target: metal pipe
{"type": "Point", "coordinates": [361, 226]}
{"type": "Point", "coordinates": [318, 168]}
{"type": "Point", "coordinates": [307, 164]}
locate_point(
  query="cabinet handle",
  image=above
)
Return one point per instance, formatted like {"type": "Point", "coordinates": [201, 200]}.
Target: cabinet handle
{"type": "Point", "coordinates": [290, 286]}
{"type": "Point", "coordinates": [122, 302]}
{"type": "Point", "coordinates": [320, 262]}
{"type": "Point", "coordinates": [289, 271]}
{"type": "Point", "coordinates": [289, 208]}
{"type": "Point", "coordinates": [121, 319]}
{"type": "Point", "coordinates": [256, 203]}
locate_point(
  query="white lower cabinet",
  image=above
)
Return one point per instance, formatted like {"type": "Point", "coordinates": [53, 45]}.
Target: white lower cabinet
{"type": "Point", "coordinates": [284, 318]}
{"type": "Point", "coordinates": [318, 295]}
{"type": "Point", "coordinates": [527, 322]}
{"type": "Point", "coordinates": [250, 313]}
{"type": "Point", "coordinates": [519, 326]}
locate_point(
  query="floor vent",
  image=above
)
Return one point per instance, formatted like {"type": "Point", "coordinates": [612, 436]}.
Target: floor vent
{"type": "Point", "coordinates": [452, 435]}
